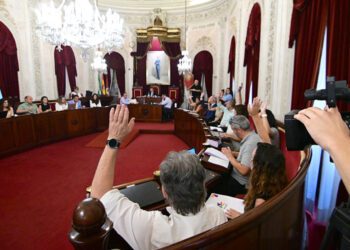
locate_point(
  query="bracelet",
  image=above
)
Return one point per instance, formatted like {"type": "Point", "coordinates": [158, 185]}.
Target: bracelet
{"type": "Point", "coordinates": [263, 115]}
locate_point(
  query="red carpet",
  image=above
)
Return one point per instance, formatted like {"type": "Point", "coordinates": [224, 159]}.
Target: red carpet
{"type": "Point", "coordinates": [40, 188]}
{"type": "Point", "coordinates": [145, 128]}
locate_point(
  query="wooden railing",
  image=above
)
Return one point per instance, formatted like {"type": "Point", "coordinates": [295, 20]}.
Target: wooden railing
{"type": "Point", "coordinates": [28, 131]}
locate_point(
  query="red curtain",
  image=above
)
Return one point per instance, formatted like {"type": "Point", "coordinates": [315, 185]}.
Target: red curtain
{"type": "Point", "coordinates": [338, 50]}
{"type": "Point", "coordinates": [307, 31]}
{"type": "Point", "coordinates": [203, 64]}
{"type": "Point", "coordinates": [173, 50]}
{"type": "Point", "coordinates": [116, 62]}
{"type": "Point", "coordinates": [252, 51]}
{"type": "Point", "coordinates": [8, 64]}
{"type": "Point", "coordinates": [65, 59]}
{"type": "Point", "coordinates": [231, 59]}
{"type": "Point", "coordinates": [141, 58]}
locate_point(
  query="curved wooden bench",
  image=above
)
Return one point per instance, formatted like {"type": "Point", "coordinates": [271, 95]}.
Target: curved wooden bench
{"type": "Point", "coordinates": [276, 224]}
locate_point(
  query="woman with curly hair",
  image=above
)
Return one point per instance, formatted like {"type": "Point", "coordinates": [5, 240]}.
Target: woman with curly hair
{"type": "Point", "coordinates": [268, 177]}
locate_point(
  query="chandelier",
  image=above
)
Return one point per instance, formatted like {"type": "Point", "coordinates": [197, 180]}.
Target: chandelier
{"type": "Point", "coordinates": [185, 63]}
{"type": "Point", "coordinates": [80, 24]}
{"type": "Point", "coordinates": [99, 63]}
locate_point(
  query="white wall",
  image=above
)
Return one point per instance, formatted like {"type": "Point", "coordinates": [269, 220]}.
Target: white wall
{"type": "Point", "coordinates": [208, 28]}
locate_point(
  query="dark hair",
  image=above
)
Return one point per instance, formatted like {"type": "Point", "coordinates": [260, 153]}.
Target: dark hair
{"type": "Point", "coordinates": [268, 176]}
{"type": "Point", "coordinates": [271, 119]}
{"type": "Point", "coordinates": [93, 100]}
{"type": "Point", "coordinates": [182, 177]}
{"type": "Point", "coordinates": [73, 96]}
{"type": "Point", "coordinates": [60, 99]}
{"type": "Point", "coordinates": [241, 109]}
{"type": "Point", "coordinates": [2, 104]}
{"type": "Point", "coordinates": [42, 99]}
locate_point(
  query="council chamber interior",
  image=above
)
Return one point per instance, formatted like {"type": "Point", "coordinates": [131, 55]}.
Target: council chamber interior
{"type": "Point", "coordinates": [193, 74]}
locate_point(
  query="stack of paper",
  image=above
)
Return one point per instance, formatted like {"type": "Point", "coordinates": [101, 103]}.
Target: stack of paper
{"type": "Point", "coordinates": [225, 202]}
{"type": "Point", "coordinates": [216, 129]}
{"type": "Point", "coordinates": [212, 143]}
{"type": "Point", "coordinates": [217, 157]}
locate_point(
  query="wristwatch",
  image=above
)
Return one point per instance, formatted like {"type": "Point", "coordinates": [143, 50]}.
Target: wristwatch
{"type": "Point", "coordinates": [113, 143]}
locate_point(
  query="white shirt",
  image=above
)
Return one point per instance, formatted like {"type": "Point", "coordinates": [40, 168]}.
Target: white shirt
{"type": "Point", "coordinates": [151, 229]}
{"type": "Point", "coordinates": [94, 105]}
{"type": "Point", "coordinates": [167, 103]}
{"type": "Point", "coordinates": [60, 107]}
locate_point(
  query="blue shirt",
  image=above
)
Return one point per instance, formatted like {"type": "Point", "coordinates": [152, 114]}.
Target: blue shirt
{"type": "Point", "coordinates": [227, 97]}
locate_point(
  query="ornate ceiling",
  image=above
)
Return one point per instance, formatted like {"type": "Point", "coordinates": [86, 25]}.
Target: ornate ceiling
{"type": "Point", "coordinates": [167, 5]}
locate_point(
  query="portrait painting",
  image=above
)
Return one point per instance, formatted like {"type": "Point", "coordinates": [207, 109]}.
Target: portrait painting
{"type": "Point", "coordinates": [158, 68]}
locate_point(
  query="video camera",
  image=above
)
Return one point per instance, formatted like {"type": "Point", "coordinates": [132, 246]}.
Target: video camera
{"type": "Point", "coordinates": [297, 137]}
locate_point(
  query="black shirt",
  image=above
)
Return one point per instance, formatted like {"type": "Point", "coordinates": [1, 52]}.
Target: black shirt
{"type": "Point", "coordinates": [196, 94]}
{"type": "Point", "coordinates": [45, 107]}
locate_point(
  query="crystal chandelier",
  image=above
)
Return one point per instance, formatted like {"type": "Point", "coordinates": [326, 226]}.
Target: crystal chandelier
{"type": "Point", "coordinates": [80, 24]}
{"type": "Point", "coordinates": [99, 63]}
{"type": "Point", "coordinates": [185, 63]}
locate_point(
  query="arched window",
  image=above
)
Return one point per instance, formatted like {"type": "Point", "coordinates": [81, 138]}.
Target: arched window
{"type": "Point", "coordinates": [8, 64]}
{"type": "Point", "coordinates": [115, 73]}
{"type": "Point", "coordinates": [231, 60]}
{"type": "Point", "coordinates": [203, 66]}
{"type": "Point", "coordinates": [65, 62]}
{"type": "Point", "coordinates": [252, 51]}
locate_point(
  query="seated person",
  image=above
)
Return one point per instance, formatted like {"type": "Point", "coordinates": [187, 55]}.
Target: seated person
{"type": "Point", "coordinates": [75, 101]}
{"type": "Point", "coordinates": [227, 96]}
{"type": "Point", "coordinates": [6, 107]}
{"type": "Point", "coordinates": [61, 104]}
{"type": "Point", "coordinates": [76, 92]}
{"type": "Point", "coordinates": [182, 177]}
{"type": "Point", "coordinates": [151, 93]}
{"type": "Point", "coordinates": [124, 100]}
{"type": "Point", "coordinates": [265, 122]}
{"type": "Point", "coordinates": [195, 90]}
{"type": "Point", "coordinates": [44, 105]}
{"type": "Point", "coordinates": [209, 115]}
{"type": "Point", "coordinates": [95, 101]}
{"type": "Point", "coordinates": [237, 182]}
{"type": "Point", "coordinates": [229, 112]}
{"type": "Point", "coordinates": [28, 106]}
{"type": "Point", "coordinates": [167, 105]}
{"type": "Point", "coordinates": [268, 177]}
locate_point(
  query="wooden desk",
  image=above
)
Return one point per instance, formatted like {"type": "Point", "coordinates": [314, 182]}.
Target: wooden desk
{"type": "Point", "coordinates": [148, 100]}
{"type": "Point", "coordinates": [28, 131]}
{"type": "Point", "coordinates": [146, 112]}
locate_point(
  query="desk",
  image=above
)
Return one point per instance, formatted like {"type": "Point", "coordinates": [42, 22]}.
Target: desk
{"type": "Point", "coordinates": [28, 131]}
{"type": "Point", "coordinates": [148, 100]}
{"type": "Point", "coordinates": [146, 112]}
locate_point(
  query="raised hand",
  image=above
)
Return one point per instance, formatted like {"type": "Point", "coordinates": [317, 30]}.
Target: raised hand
{"type": "Point", "coordinates": [254, 108]}
{"type": "Point", "coordinates": [119, 124]}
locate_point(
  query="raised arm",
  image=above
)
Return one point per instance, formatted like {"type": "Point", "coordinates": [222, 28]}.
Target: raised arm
{"type": "Point", "coordinates": [119, 127]}
{"type": "Point", "coordinates": [329, 130]}
{"type": "Point", "coordinates": [238, 95]}
{"type": "Point", "coordinates": [264, 119]}
{"type": "Point", "coordinates": [253, 110]}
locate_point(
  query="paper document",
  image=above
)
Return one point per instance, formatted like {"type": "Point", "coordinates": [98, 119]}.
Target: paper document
{"type": "Point", "coordinates": [216, 129]}
{"type": "Point", "coordinates": [225, 202]}
{"type": "Point", "coordinates": [216, 153]}
{"type": "Point", "coordinates": [218, 161]}
{"type": "Point", "coordinates": [212, 143]}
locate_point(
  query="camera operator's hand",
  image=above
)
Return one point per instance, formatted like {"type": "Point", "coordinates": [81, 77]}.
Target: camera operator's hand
{"type": "Point", "coordinates": [329, 130]}
{"type": "Point", "coordinates": [326, 127]}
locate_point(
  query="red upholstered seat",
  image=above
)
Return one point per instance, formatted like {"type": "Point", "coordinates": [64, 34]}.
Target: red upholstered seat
{"type": "Point", "coordinates": [156, 89]}
{"type": "Point", "coordinates": [53, 106]}
{"type": "Point", "coordinates": [174, 93]}
{"type": "Point", "coordinates": [137, 91]}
